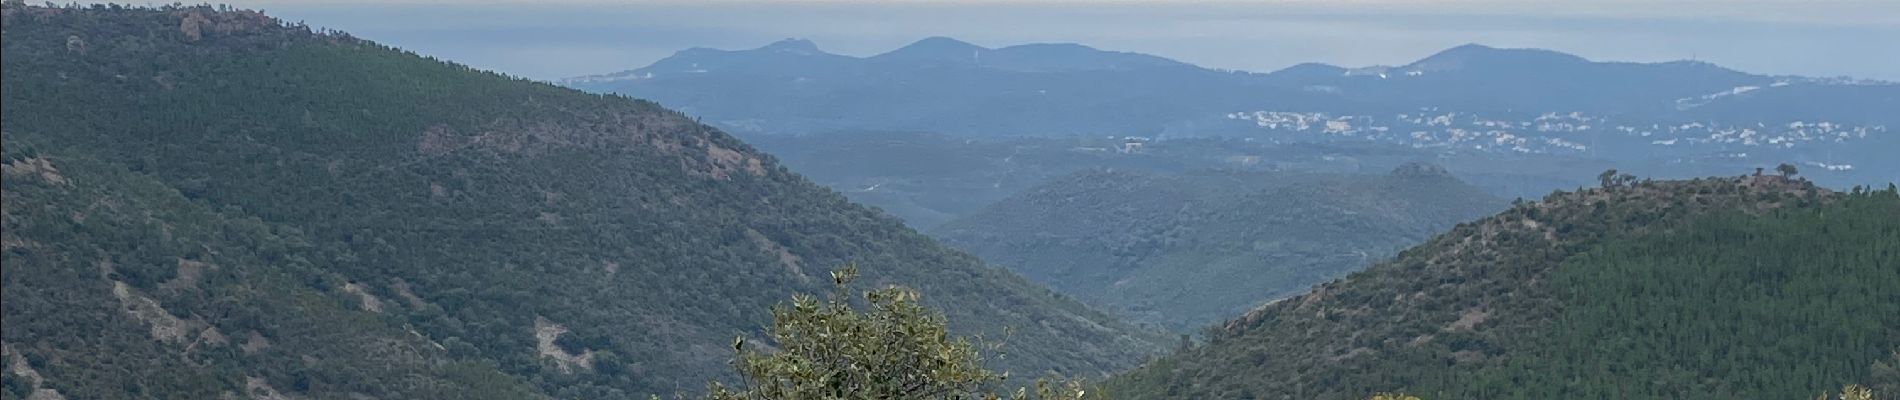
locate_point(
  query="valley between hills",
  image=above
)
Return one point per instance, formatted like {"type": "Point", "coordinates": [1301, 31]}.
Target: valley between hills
{"type": "Point", "coordinates": [209, 202]}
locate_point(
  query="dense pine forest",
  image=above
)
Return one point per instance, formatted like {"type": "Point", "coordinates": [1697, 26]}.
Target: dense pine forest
{"type": "Point", "coordinates": [1752, 287]}
{"type": "Point", "coordinates": [1728, 305]}
{"type": "Point", "coordinates": [202, 202]}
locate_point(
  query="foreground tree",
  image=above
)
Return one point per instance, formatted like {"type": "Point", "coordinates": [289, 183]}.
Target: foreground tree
{"type": "Point", "coordinates": [894, 349]}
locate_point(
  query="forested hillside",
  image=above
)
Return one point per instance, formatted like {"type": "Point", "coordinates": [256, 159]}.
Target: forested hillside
{"type": "Point", "coordinates": [202, 202]}
{"type": "Point", "coordinates": [1758, 287]}
{"type": "Point", "coordinates": [1190, 249]}
{"type": "Point", "coordinates": [118, 286]}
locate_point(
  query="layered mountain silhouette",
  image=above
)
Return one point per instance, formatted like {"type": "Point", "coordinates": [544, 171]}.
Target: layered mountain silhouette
{"type": "Point", "coordinates": [1469, 98]}
{"type": "Point", "coordinates": [1036, 89]}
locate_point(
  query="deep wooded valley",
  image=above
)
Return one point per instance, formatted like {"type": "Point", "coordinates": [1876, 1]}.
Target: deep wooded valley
{"type": "Point", "coordinates": [208, 202]}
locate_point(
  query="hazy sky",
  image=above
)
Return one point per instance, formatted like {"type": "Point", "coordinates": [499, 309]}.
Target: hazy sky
{"type": "Point", "coordinates": [561, 38]}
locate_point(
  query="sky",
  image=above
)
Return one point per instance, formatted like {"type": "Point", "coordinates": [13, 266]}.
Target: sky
{"type": "Point", "coordinates": [552, 39]}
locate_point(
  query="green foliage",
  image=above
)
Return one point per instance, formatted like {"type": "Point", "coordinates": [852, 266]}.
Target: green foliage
{"type": "Point", "coordinates": [480, 213]}
{"type": "Point", "coordinates": [1753, 287]}
{"type": "Point", "coordinates": [894, 349]}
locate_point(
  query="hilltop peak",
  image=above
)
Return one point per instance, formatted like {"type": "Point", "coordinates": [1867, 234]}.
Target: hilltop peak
{"type": "Point", "coordinates": [1071, 57]}
{"type": "Point", "coordinates": [1472, 55]}
{"type": "Point", "coordinates": [939, 44]}
{"type": "Point", "coordinates": [936, 49]}
{"type": "Point", "coordinates": [1313, 67]}
{"type": "Point", "coordinates": [793, 45]}
{"type": "Point", "coordinates": [1308, 72]}
{"type": "Point", "coordinates": [1470, 47]}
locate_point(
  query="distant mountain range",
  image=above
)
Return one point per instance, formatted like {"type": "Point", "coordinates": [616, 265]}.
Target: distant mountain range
{"type": "Point", "coordinates": [1469, 98]}
{"type": "Point", "coordinates": [1046, 79]}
